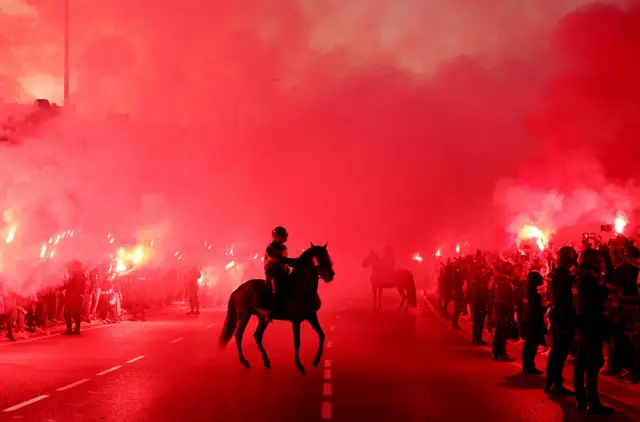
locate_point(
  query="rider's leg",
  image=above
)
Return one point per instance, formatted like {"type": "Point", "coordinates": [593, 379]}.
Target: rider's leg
{"type": "Point", "coordinates": [265, 313]}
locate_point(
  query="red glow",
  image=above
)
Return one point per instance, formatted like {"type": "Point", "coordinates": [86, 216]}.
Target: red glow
{"type": "Point", "coordinates": [323, 127]}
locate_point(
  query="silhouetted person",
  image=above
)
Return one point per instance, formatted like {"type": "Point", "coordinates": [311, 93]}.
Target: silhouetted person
{"type": "Point", "coordinates": [532, 323]}
{"type": "Point", "coordinates": [74, 296]}
{"type": "Point", "coordinates": [193, 275]}
{"type": "Point", "coordinates": [590, 325]}
{"type": "Point", "coordinates": [479, 293]}
{"type": "Point", "coordinates": [505, 308]}
{"type": "Point", "coordinates": [457, 284]}
{"type": "Point", "coordinates": [561, 317]}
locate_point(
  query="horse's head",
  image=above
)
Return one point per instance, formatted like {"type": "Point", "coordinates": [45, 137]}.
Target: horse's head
{"type": "Point", "coordinates": [371, 259]}
{"type": "Point", "coordinates": [321, 255]}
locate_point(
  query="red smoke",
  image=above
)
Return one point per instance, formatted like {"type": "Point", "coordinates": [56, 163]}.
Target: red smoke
{"type": "Point", "coordinates": [358, 122]}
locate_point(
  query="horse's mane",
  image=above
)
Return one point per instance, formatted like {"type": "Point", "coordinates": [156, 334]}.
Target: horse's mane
{"type": "Point", "coordinates": [308, 254]}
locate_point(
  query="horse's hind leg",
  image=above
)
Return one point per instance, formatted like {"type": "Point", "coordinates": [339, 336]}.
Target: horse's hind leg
{"type": "Point", "coordinates": [296, 344]}
{"type": "Point", "coordinates": [315, 324]}
{"type": "Point", "coordinates": [404, 297]}
{"type": "Point", "coordinates": [243, 320]}
{"type": "Point", "coordinates": [262, 326]}
{"type": "Point", "coordinates": [375, 292]}
{"type": "Point", "coordinates": [379, 299]}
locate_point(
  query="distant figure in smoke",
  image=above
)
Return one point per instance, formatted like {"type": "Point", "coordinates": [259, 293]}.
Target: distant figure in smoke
{"type": "Point", "coordinates": [74, 296]}
{"type": "Point", "coordinates": [193, 275]}
{"type": "Point", "coordinates": [276, 265]}
{"type": "Point", "coordinates": [389, 260]}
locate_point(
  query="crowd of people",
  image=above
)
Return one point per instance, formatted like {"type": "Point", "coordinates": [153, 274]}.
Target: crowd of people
{"type": "Point", "coordinates": [582, 307]}
{"type": "Point", "coordinates": [101, 295]}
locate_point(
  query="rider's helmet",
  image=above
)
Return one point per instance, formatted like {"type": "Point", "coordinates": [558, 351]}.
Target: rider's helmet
{"type": "Point", "coordinates": [280, 233]}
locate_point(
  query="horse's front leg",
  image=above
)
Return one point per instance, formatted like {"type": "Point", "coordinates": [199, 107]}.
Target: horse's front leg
{"type": "Point", "coordinates": [296, 344]}
{"type": "Point", "coordinates": [262, 326]}
{"type": "Point", "coordinates": [315, 324]}
{"type": "Point", "coordinates": [380, 298]}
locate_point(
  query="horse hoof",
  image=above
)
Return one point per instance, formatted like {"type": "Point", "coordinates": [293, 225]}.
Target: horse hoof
{"type": "Point", "coordinates": [267, 365]}
{"type": "Point", "coordinates": [245, 363]}
{"type": "Point", "coordinates": [316, 362]}
{"type": "Point", "coordinates": [300, 368]}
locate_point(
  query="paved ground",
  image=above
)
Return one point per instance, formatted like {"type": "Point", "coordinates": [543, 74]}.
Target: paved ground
{"type": "Point", "coordinates": [384, 367]}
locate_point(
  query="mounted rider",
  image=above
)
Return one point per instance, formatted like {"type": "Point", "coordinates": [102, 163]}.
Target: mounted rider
{"type": "Point", "coordinates": [276, 262]}
{"type": "Point", "coordinates": [388, 262]}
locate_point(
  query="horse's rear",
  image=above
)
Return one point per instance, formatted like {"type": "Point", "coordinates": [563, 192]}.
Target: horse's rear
{"type": "Point", "coordinates": [243, 301]}
{"type": "Point", "coordinates": [406, 280]}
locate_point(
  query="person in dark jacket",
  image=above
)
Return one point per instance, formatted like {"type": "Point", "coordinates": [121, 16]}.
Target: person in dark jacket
{"type": "Point", "coordinates": [532, 323]}
{"type": "Point", "coordinates": [479, 293]}
{"type": "Point", "coordinates": [590, 323]}
{"type": "Point", "coordinates": [505, 313]}
{"type": "Point", "coordinates": [561, 320]}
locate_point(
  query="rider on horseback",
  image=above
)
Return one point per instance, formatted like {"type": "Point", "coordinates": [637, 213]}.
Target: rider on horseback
{"type": "Point", "coordinates": [276, 261]}
{"type": "Point", "coordinates": [388, 261]}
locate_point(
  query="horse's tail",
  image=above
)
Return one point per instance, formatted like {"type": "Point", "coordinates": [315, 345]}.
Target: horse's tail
{"type": "Point", "coordinates": [411, 291]}
{"type": "Point", "coordinates": [230, 323]}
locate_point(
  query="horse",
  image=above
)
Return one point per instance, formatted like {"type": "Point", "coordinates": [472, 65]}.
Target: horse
{"type": "Point", "coordinates": [299, 302]}
{"type": "Point", "coordinates": [381, 278]}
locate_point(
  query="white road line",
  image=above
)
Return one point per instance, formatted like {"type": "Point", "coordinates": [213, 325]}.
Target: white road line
{"type": "Point", "coordinates": [327, 374]}
{"type": "Point", "coordinates": [326, 410]}
{"type": "Point", "coordinates": [136, 359]}
{"type": "Point", "coordinates": [332, 328]}
{"type": "Point", "coordinates": [25, 403]}
{"type": "Point", "coordinates": [74, 384]}
{"type": "Point", "coordinates": [326, 391]}
{"type": "Point", "coordinates": [327, 363]}
{"type": "Point", "coordinates": [176, 340]}
{"type": "Point", "coordinates": [209, 326]}
{"type": "Point", "coordinates": [115, 368]}
{"type": "Point", "coordinates": [329, 344]}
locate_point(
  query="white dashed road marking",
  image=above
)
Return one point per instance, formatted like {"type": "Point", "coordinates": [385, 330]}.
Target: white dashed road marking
{"type": "Point", "coordinates": [25, 403]}
{"type": "Point", "coordinates": [329, 344]}
{"type": "Point", "coordinates": [74, 384]}
{"type": "Point", "coordinates": [326, 391]}
{"type": "Point", "coordinates": [209, 326]}
{"type": "Point", "coordinates": [327, 374]}
{"type": "Point", "coordinates": [332, 328]}
{"type": "Point", "coordinates": [326, 410]}
{"type": "Point", "coordinates": [327, 363]}
{"type": "Point", "coordinates": [177, 340]}
{"type": "Point", "coordinates": [115, 368]}
{"type": "Point", "coordinates": [135, 359]}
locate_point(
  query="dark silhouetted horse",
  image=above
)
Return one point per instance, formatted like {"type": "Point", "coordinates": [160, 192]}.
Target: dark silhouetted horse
{"type": "Point", "coordinates": [382, 278]}
{"type": "Point", "coordinates": [297, 301]}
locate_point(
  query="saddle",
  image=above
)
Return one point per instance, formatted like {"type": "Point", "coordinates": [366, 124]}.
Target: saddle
{"type": "Point", "coordinates": [275, 302]}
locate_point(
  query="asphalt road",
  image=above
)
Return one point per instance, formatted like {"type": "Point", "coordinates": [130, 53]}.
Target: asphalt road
{"type": "Point", "coordinates": [383, 367]}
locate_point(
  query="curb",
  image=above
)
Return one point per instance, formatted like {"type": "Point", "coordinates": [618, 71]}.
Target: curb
{"type": "Point", "coordinates": [58, 328]}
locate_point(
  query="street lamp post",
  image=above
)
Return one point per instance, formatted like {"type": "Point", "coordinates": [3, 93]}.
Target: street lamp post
{"type": "Point", "coordinates": [66, 53]}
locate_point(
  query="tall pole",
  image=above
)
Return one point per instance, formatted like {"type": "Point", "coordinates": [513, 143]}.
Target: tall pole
{"type": "Point", "coordinates": [66, 53]}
